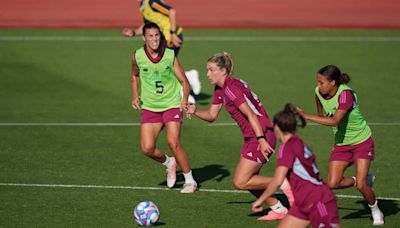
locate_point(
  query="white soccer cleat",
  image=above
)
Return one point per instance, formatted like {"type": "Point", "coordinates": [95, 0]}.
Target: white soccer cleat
{"type": "Point", "coordinates": [189, 188]}
{"type": "Point", "coordinates": [378, 218]}
{"type": "Point", "coordinates": [194, 81]}
{"type": "Point", "coordinates": [171, 174]}
{"type": "Point", "coordinates": [191, 99]}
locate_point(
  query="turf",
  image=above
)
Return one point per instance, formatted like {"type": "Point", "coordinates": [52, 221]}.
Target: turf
{"type": "Point", "coordinates": [82, 76]}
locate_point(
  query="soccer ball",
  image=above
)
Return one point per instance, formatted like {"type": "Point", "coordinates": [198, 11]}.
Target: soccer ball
{"type": "Point", "coordinates": [146, 213]}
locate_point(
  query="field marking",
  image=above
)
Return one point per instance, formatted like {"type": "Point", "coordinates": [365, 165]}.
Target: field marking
{"type": "Point", "coordinates": [212, 38]}
{"type": "Point", "coordinates": [157, 189]}
{"type": "Point", "coordinates": [138, 124]}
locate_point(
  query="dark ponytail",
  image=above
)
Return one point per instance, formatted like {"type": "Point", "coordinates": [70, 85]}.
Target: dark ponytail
{"type": "Point", "coordinates": [332, 72]}
{"type": "Point", "coordinates": [286, 119]}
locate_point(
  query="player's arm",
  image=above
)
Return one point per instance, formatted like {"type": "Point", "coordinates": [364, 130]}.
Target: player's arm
{"type": "Point", "coordinates": [128, 32]}
{"type": "Point", "coordinates": [257, 128]}
{"type": "Point", "coordinates": [320, 112]}
{"type": "Point", "coordinates": [326, 120]}
{"type": "Point", "coordinates": [209, 115]}
{"type": "Point", "coordinates": [180, 74]}
{"type": "Point", "coordinates": [279, 177]}
{"type": "Point", "coordinates": [135, 82]}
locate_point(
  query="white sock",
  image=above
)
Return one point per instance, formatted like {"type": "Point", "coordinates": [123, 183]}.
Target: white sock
{"type": "Point", "coordinates": [189, 178]}
{"type": "Point", "coordinates": [374, 207]}
{"type": "Point", "coordinates": [355, 182]}
{"type": "Point", "coordinates": [278, 207]}
{"type": "Point", "coordinates": [167, 162]}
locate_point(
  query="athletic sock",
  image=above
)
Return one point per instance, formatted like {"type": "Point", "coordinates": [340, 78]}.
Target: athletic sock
{"type": "Point", "coordinates": [374, 207]}
{"type": "Point", "coordinates": [355, 182]}
{"type": "Point", "coordinates": [189, 178]}
{"type": "Point", "coordinates": [278, 207]}
{"type": "Point", "coordinates": [167, 162]}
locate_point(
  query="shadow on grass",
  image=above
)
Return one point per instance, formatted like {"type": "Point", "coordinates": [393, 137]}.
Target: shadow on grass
{"type": "Point", "coordinates": [201, 175]}
{"type": "Point", "coordinates": [388, 208]}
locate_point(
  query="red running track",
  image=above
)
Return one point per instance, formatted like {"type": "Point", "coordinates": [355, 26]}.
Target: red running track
{"type": "Point", "coordinates": [380, 14]}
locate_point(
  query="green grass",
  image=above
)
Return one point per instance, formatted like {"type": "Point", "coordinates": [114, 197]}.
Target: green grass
{"type": "Point", "coordinates": [78, 81]}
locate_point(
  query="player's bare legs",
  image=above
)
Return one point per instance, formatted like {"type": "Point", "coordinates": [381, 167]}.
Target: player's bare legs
{"type": "Point", "coordinates": [246, 178]}
{"type": "Point", "coordinates": [336, 179]}
{"type": "Point", "coordinates": [362, 168]}
{"type": "Point", "coordinates": [173, 130]}
{"type": "Point", "coordinates": [148, 137]}
{"type": "Point", "coordinates": [173, 138]}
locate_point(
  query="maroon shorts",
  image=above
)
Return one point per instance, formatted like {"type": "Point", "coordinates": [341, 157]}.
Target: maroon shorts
{"type": "Point", "coordinates": [318, 209]}
{"type": "Point", "coordinates": [173, 114]}
{"type": "Point", "coordinates": [251, 149]}
{"type": "Point", "coordinates": [349, 153]}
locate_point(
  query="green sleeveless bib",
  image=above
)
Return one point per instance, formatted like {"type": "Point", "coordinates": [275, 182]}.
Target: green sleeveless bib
{"type": "Point", "coordinates": [352, 129]}
{"type": "Point", "coordinates": [159, 87]}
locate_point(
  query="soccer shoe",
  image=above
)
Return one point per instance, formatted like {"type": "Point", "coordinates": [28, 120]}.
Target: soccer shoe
{"type": "Point", "coordinates": [272, 215]}
{"type": "Point", "coordinates": [171, 174]}
{"type": "Point", "coordinates": [378, 218]}
{"type": "Point", "coordinates": [288, 192]}
{"type": "Point", "coordinates": [370, 180]}
{"type": "Point", "coordinates": [189, 188]}
{"type": "Point", "coordinates": [194, 81]}
{"type": "Point", "coordinates": [191, 99]}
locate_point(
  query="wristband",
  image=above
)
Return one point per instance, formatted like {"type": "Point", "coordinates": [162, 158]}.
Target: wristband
{"type": "Point", "coordinates": [172, 31]}
{"type": "Point", "coordinates": [261, 137]}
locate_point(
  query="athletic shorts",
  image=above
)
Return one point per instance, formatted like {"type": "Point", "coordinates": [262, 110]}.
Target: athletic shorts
{"type": "Point", "coordinates": [251, 149]}
{"type": "Point", "coordinates": [349, 153]}
{"type": "Point", "coordinates": [321, 213]}
{"type": "Point", "coordinates": [173, 114]}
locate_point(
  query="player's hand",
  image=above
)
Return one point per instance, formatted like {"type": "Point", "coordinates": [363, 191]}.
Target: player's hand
{"type": "Point", "coordinates": [300, 111]}
{"type": "Point", "coordinates": [136, 103]}
{"type": "Point", "coordinates": [256, 206]}
{"type": "Point", "coordinates": [128, 32]}
{"type": "Point", "coordinates": [191, 109]}
{"type": "Point", "coordinates": [183, 106]}
{"type": "Point", "coordinates": [175, 40]}
{"type": "Point", "coordinates": [266, 149]}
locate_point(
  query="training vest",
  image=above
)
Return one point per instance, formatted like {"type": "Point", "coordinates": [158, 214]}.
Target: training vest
{"type": "Point", "coordinates": [159, 87]}
{"type": "Point", "coordinates": [352, 129]}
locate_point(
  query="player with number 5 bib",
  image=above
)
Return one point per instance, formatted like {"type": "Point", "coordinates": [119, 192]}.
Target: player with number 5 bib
{"type": "Point", "coordinates": [156, 70]}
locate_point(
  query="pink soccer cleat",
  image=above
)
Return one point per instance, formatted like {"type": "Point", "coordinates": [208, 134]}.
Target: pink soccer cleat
{"type": "Point", "coordinates": [171, 174]}
{"type": "Point", "coordinates": [189, 188]}
{"type": "Point", "coordinates": [272, 215]}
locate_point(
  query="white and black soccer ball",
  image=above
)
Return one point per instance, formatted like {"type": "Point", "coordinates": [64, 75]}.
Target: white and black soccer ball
{"type": "Point", "coordinates": [146, 213]}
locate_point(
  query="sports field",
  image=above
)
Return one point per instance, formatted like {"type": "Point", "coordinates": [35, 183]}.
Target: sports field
{"type": "Point", "coordinates": [69, 142]}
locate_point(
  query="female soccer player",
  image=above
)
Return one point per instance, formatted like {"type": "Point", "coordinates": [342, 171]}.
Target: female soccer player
{"type": "Point", "coordinates": [164, 15]}
{"type": "Point", "coordinates": [315, 203]}
{"type": "Point", "coordinates": [337, 107]}
{"type": "Point", "coordinates": [160, 76]}
{"type": "Point", "coordinates": [259, 141]}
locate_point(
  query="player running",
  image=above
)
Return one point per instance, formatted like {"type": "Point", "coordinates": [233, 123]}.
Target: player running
{"type": "Point", "coordinates": [337, 106]}
{"type": "Point", "coordinates": [249, 113]}
{"type": "Point", "coordinates": [160, 76]}
{"type": "Point", "coordinates": [315, 203]}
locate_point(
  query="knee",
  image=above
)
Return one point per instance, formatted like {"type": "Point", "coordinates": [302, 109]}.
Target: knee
{"type": "Point", "coordinates": [239, 184]}
{"type": "Point", "coordinates": [148, 150]}
{"type": "Point", "coordinates": [333, 184]}
{"type": "Point", "coordinates": [174, 146]}
{"type": "Point", "coordinates": [361, 186]}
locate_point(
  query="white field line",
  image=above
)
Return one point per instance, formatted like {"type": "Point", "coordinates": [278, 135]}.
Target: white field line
{"type": "Point", "coordinates": [213, 38]}
{"type": "Point", "coordinates": [155, 189]}
{"type": "Point", "coordinates": [138, 124]}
